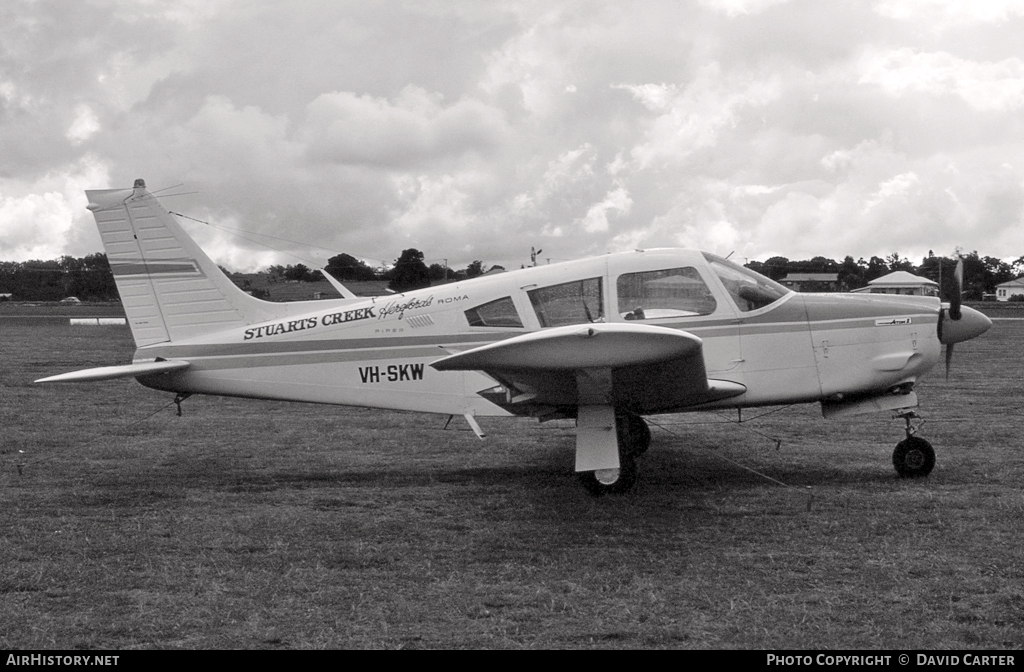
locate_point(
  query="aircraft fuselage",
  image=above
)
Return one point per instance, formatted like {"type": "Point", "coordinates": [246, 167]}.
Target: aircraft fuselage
{"type": "Point", "coordinates": [377, 351]}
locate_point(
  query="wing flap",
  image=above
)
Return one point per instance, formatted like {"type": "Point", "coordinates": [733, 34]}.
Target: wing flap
{"type": "Point", "coordinates": [112, 372]}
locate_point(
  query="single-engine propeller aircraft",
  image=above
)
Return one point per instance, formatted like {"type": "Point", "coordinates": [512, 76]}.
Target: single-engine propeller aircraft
{"type": "Point", "coordinates": [605, 340]}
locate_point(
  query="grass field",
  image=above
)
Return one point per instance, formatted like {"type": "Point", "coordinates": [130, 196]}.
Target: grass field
{"type": "Point", "coordinates": [250, 524]}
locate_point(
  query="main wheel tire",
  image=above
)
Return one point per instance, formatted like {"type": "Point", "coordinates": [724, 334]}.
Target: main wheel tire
{"type": "Point", "coordinates": [606, 482]}
{"type": "Point", "coordinates": [913, 457]}
{"type": "Point", "coordinates": [633, 434]}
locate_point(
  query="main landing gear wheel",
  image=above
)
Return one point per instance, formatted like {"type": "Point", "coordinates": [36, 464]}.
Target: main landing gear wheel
{"type": "Point", "coordinates": [914, 457]}
{"type": "Point", "coordinates": [611, 481]}
{"type": "Point", "coordinates": [633, 433]}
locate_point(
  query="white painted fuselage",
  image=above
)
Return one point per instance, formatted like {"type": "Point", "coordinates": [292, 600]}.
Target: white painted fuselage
{"type": "Point", "coordinates": [377, 351]}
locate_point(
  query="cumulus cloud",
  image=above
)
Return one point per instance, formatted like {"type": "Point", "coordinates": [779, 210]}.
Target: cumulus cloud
{"type": "Point", "coordinates": [533, 66]}
{"type": "Point", "coordinates": [417, 127]}
{"type": "Point", "coordinates": [475, 131]}
{"type": "Point", "coordinates": [84, 126]}
{"type": "Point", "coordinates": [986, 86]}
{"type": "Point", "coordinates": [46, 218]}
{"type": "Point", "coordinates": [946, 13]}
{"type": "Point", "coordinates": [596, 219]}
{"type": "Point", "coordinates": [429, 202]}
{"type": "Point", "coordinates": [693, 117]}
{"type": "Point", "coordinates": [740, 7]}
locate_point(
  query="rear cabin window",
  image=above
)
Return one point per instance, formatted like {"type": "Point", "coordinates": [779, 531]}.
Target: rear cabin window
{"type": "Point", "coordinates": [499, 313]}
{"type": "Point", "coordinates": [570, 303]}
{"type": "Point", "coordinates": [673, 292]}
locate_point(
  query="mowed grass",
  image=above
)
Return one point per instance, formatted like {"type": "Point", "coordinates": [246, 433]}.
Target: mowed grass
{"type": "Point", "coordinates": [255, 524]}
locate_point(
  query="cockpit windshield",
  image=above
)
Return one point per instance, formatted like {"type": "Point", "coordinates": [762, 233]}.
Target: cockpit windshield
{"type": "Point", "coordinates": [749, 290]}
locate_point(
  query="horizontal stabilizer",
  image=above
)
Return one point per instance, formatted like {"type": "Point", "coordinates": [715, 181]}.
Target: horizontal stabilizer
{"type": "Point", "coordinates": [112, 372]}
{"type": "Point", "coordinates": [345, 292]}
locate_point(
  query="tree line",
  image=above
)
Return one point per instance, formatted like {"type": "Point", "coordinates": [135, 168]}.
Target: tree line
{"type": "Point", "coordinates": [89, 278]}
{"type": "Point", "coordinates": [981, 274]}
{"type": "Point", "coordinates": [409, 271]}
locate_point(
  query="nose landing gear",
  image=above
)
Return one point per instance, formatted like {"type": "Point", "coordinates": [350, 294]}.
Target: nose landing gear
{"type": "Point", "coordinates": [913, 457]}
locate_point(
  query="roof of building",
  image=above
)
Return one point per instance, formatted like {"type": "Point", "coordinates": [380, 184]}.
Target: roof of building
{"type": "Point", "coordinates": [1019, 282]}
{"type": "Point", "coordinates": [902, 279]}
{"type": "Point", "coordinates": [811, 277]}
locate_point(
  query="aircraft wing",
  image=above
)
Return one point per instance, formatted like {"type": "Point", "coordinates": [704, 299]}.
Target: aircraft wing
{"type": "Point", "coordinates": [111, 372]}
{"type": "Point", "coordinates": [636, 367]}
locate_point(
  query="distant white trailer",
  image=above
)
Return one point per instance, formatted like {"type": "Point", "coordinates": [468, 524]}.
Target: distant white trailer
{"type": "Point", "coordinates": [96, 321]}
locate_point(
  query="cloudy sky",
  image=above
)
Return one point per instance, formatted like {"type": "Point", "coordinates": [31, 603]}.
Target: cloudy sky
{"type": "Point", "coordinates": [475, 130]}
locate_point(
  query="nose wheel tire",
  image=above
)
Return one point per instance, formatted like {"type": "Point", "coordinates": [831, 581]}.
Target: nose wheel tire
{"type": "Point", "coordinates": [913, 458]}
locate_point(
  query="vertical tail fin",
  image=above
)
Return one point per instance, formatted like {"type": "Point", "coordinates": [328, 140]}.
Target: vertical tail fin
{"type": "Point", "coordinates": [170, 289]}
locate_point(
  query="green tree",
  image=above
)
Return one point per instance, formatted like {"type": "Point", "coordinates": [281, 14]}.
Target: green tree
{"type": "Point", "coordinates": [1018, 266]}
{"type": "Point", "coordinates": [999, 272]}
{"type": "Point", "coordinates": [982, 274]}
{"type": "Point", "coordinates": [777, 267]}
{"type": "Point", "coordinates": [897, 263]}
{"type": "Point", "coordinates": [300, 272]}
{"type": "Point", "coordinates": [409, 272]}
{"type": "Point", "coordinates": [929, 267]}
{"type": "Point", "coordinates": [440, 273]}
{"type": "Point", "coordinates": [876, 268]}
{"type": "Point", "coordinates": [345, 267]}
{"type": "Point", "coordinates": [851, 274]}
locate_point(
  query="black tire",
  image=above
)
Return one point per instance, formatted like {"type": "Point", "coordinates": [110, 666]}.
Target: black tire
{"type": "Point", "coordinates": [913, 458]}
{"type": "Point", "coordinates": [633, 433]}
{"type": "Point", "coordinates": [624, 482]}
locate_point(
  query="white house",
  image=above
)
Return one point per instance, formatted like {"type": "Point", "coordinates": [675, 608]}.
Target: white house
{"type": "Point", "coordinates": [901, 282]}
{"type": "Point", "coordinates": [1011, 288]}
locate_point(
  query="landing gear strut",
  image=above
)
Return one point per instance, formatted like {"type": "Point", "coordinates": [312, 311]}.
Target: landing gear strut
{"type": "Point", "coordinates": [634, 438]}
{"type": "Point", "coordinates": [913, 457]}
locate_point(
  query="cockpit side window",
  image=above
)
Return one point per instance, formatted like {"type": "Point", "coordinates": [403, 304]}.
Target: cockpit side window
{"type": "Point", "coordinates": [577, 302]}
{"type": "Point", "coordinates": [498, 313]}
{"type": "Point", "coordinates": [749, 290]}
{"type": "Point", "coordinates": [673, 292]}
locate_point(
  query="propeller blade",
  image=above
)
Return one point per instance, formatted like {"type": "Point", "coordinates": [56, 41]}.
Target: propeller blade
{"type": "Point", "coordinates": [957, 298]}
{"type": "Point", "coordinates": [954, 309]}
